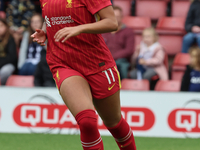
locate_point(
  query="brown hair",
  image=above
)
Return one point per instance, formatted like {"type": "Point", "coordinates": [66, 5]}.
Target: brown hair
{"type": "Point", "coordinates": [117, 8]}
{"type": "Point", "coordinates": [197, 49]}
{"type": "Point", "coordinates": [155, 34]}
{"type": "Point", "coordinates": [30, 30]}
{"type": "Point", "coordinates": [6, 36]}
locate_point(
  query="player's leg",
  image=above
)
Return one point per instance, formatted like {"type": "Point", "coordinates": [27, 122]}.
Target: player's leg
{"type": "Point", "coordinates": [76, 94]}
{"type": "Point", "coordinates": [105, 91]}
{"type": "Point", "coordinates": [110, 112]}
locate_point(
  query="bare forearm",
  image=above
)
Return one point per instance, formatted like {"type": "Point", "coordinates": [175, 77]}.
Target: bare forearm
{"type": "Point", "coordinates": [102, 26]}
{"type": "Point", "coordinates": [44, 27]}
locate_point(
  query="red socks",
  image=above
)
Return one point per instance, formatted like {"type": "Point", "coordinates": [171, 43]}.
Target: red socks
{"type": "Point", "coordinates": [123, 135]}
{"type": "Point", "coordinates": [90, 137]}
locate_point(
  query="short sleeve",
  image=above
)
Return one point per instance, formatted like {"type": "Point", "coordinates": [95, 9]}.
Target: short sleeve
{"type": "Point", "coordinates": [94, 6]}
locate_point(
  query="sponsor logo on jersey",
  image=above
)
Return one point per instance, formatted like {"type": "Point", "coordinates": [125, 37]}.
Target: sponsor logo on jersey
{"type": "Point", "coordinates": [58, 20]}
{"type": "Point", "coordinates": [47, 21]}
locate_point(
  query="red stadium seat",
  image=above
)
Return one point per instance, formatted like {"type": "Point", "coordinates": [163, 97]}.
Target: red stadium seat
{"type": "Point", "coordinates": [138, 39]}
{"type": "Point", "coordinates": [171, 43]}
{"type": "Point", "coordinates": [20, 81]}
{"type": "Point", "coordinates": [168, 86]}
{"type": "Point", "coordinates": [137, 23]}
{"type": "Point", "coordinates": [171, 32]}
{"type": "Point", "coordinates": [135, 85]}
{"type": "Point", "coordinates": [180, 8]}
{"type": "Point", "coordinates": [125, 5]}
{"type": "Point", "coordinates": [179, 65]}
{"type": "Point", "coordinates": [151, 8]}
{"type": "Point", "coordinates": [171, 25]}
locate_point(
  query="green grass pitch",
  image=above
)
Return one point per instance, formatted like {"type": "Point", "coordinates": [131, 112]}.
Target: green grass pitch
{"type": "Point", "coordinates": [72, 142]}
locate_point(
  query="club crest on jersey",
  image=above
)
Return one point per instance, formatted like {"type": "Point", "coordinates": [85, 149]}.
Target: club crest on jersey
{"type": "Point", "coordinates": [69, 5]}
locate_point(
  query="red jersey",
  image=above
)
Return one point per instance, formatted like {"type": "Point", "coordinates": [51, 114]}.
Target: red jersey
{"type": "Point", "coordinates": [85, 53]}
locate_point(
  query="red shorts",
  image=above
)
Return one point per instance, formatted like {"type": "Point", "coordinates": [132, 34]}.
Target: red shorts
{"type": "Point", "coordinates": [103, 84]}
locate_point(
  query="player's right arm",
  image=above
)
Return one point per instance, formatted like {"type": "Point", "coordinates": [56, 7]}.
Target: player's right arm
{"type": "Point", "coordinates": [40, 35]}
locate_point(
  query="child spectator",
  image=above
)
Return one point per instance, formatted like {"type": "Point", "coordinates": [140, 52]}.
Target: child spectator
{"type": "Point", "coordinates": [191, 78]}
{"type": "Point", "coordinates": [149, 57]}
{"type": "Point", "coordinates": [29, 55]}
{"type": "Point", "coordinates": [8, 52]}
{"type": "Point", "coordinates": [120, 44]}
{"type": "Point", "coordinates": [192, 26]}
{"type": "Point", "coordinates": [43, 76]}
{"type": "Point", "coordinates": [19, 13]}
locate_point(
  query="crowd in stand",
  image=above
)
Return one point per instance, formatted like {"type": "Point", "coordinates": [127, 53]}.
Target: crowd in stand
{"type": "Point", "coordinates": [20, 55]}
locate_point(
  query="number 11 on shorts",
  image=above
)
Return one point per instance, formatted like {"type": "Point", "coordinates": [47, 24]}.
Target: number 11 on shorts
{"type": "Point", "coordinates": [106, 73]}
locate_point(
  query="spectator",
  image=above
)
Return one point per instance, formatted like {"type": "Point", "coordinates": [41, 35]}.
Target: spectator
{"type": "Point", "coordinates": [29, 55]}
{"type": "Point", "coordinates": [121, 44]}
{"type": "Point", "coordinates": [191, 78]}
{"type": "Point", "coordinates": [43, 75]}
{"type": "Point", "coordinates": [8, 53]}
{"type": "Point", "coordinates": [2, 14]}
{"type": "Point", "coordinates": [19, 13]}
{"type": "Point", "coordinates": [149, 57]}
{"type": "Point", "coordinates": [1, 5]}
{"type": "Point", "coordinates": [192, 26]}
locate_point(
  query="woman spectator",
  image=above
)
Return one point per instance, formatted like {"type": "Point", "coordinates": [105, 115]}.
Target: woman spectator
{"type": "Point", "coordinates": [18, 14]}
{"type": "Point", "coordinates": [8, 53]}
{"type": "Point", "coordinates": [148, 58]}
{"type": "Point", "coordinates": [29, 55]}
{"type": "Point", "coordinates": [192, 26]}
{"type": "Point", "coordinates": [191, 78]}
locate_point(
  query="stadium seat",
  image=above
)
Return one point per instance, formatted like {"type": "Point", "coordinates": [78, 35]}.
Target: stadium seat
{"type": "Point", "coordinates": [135, 85]}
{"type": "Point", "coordinates": [138, 39]}
{"type": "Point", "coordinates": [20, 81]}
{"type": "Point", "coordinates": [125, 5]}
{"type": "Point", "coordinates": [171, 32]}
{"type": "Point", "coordinates": [151, 8]}
{"type": "Point", "coordinates": [2, 14]}
{"type": "Point", "coordinates": [171, 43]}
{"type": "Point", "coordinates": [137, 23]}
{"type": "Point", "coordinates": [168, 86]}
{"type": "Point", "coordinates": [180, 8]}
{"type": "Point", "coordinates": [179, 65]}
{"type": "Point", "coordinates": [171, 25]}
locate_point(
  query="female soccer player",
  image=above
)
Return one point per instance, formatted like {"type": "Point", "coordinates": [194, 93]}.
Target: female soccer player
{"type": "Point", "coordinates": [83, 68]}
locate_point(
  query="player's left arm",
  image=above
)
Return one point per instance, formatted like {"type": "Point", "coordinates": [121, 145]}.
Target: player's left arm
{"type": "Point", "coordinates": [108, 23]}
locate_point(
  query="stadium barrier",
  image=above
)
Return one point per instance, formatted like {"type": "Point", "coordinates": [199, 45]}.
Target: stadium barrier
{"type": "Point", "coordinates": [150, 114]}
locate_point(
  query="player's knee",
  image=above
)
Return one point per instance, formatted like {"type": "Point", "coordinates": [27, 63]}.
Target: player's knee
{"type": "Point", "coordinates": [87, 120]}
{"type": "Point", "coordinates": [112, 122]}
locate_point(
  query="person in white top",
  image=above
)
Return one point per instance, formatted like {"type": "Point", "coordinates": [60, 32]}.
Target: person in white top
{"type": "Point", "coordinates": [148, 58]}
{"type": "Point", "coordinates": [29, 54]}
